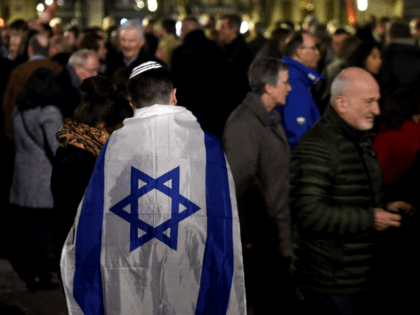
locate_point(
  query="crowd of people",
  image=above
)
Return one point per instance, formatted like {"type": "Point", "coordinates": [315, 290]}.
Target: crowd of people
{"type": "Point", "coordinates": [320, 128]}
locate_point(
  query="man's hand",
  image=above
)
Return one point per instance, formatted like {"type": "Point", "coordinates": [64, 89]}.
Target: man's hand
{"type": "Point", "coordinates": [400, 207]}
{"type": "Point", "coordinates": [384, 220]}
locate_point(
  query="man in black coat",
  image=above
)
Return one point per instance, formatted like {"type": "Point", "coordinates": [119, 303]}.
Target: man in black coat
{"type": "Point", "coordinates": [401, 61]}
{"type": "Point", "coordinates": [238, 53]}
{"type": "Point", "coordinates": [201, 76]}
{"type": "Point", "coordinates": [131, 42]}
{"type": "Point", "coordinates": [258, 153]}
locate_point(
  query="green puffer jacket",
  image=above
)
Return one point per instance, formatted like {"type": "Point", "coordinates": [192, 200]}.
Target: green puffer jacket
{"type": "Point", "coordinates": [336, 181]}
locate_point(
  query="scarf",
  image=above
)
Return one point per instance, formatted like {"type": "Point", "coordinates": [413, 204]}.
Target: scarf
{"type": "Point", "coordinates": [82, 136]}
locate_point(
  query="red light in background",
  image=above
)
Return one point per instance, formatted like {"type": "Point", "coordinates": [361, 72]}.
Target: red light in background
{"type": "Point", "coordinates": [2, 22]}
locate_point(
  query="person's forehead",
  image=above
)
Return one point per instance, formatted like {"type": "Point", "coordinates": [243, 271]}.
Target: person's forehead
{"type": "Point", "coordinates": [308, 39]}
{"type": "Point", "coordinates": [133, 33]}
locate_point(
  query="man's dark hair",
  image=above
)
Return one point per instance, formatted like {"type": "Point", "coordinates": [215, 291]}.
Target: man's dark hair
{"type": "Point", "coordinates": [91, 42]}
{"type": "Point", "coordinates": [151, 87]}
{"type": "Point", "coordinates": [264, 71]}
{"type": "Point", "coordinates": [340, 31]}
{"type": "Point", "coordinates": [37, 49]}
{"type": "Point", "coordinates": [19, 25]}
{"type": "Point", "coordinates": [293, 43]}
{"type": "Point", "coordinates": [399, 30]}
{"type": "Point", "coordinates": [233, 21]}
{"type": "Point", "coordinates": [169, 26]}
{"type": "Point", "coordinates": [74, 30]}
{"type": "Point", "coordinates": [47, 28]}
{"type": "Point", "coordinates": [400, 107]}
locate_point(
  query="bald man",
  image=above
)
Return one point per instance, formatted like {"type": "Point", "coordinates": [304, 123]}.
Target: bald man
{"type": "Point", "coordinates": [337, 200]}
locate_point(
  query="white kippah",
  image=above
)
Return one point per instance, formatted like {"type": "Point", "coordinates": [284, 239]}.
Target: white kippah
{"type": "Point", "coordinates": [144, 67]}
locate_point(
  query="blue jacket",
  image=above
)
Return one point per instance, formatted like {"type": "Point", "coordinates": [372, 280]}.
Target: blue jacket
{"type": "Point", "coordinates": [300, 112]}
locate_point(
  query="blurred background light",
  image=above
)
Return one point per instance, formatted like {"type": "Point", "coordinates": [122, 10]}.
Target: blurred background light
{"type": "Point", "coordinates": [152, 5]}
{"type": "Point", "coordinates": [49, 2]}
{"type": "Point", "coordinates": [140, 4]}
{"type": "Point", "coordinates": [60, 2]}
{"type": "Point", "coordinates": [178, 27]}
{"type": "Point", "coordinates": [244, 27]}
{"type": "Point", "coordinates": [2, 23]}
{"type": "Point", "coordinates": [40, 7]}
{"type": "Point", "coordinates": [123, 20]}
{"type": "Point", "coordinates": [362, 5]}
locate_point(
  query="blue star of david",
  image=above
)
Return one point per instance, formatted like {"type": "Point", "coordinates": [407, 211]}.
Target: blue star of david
{"type": "Point", "coordinates": [133, 217]}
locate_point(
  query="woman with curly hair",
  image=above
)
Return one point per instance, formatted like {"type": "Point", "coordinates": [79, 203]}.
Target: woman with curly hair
{"type": "Point", "coordinates": [398, 139]}
{"type": "Point", "coordinates": [367, 56]}
{"type": "Point", "coordinates": [101, 111]}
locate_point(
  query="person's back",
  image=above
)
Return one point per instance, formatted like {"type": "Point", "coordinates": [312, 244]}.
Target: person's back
{"type": "Point", "coordinates": [159, 208]}
{"type": "Point", "coordinates": [201, 75]}
{"type": "Point", "coordinates": [401, 61]}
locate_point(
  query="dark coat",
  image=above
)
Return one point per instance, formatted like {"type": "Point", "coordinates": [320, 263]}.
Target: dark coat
{"type": "Point", "coordinates": [69, 90]}
{"type": "Point", "coordinates": [201, 76]}
{"type": "Point", "coordinates": [336, 182]}
{"type": "Point", "coordinates": [400, 67]}
{"type": "Point", "coordinates": [118, 62]}
{"type": "Point", "coordinates": [240, 57]}
{"type": "Point", "coordinates": [61, 58]}
{"type": "Point", "coordinates": [258, 153]}
{"type": "Point", "coordinates": [72, 168]}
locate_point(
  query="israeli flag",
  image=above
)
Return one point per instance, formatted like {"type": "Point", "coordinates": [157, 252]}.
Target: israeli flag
{"type": "Point", "coordinates": [157, 231]}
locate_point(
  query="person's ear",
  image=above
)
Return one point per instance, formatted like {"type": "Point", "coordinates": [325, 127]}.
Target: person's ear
{"type": "Point", "coordinates": [173, 100]}
{"type": "Point", "coordinates": [340, 105]}
{"type": "Point", "coordinates": [268, 88]}
{"type": "Point", "coordinates": [133, 106]}
{"type": "Point", "coordinates": [142, 41]}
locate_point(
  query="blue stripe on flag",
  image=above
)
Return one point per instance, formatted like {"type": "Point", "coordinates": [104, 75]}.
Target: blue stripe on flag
{"type": "Point", "coordinates": [217, 270]}
{"type": "Point", "coordinates": [87, 285]}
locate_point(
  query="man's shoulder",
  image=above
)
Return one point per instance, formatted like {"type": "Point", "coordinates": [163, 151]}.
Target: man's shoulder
{"type": "Point", "coordinates": [322, 135]}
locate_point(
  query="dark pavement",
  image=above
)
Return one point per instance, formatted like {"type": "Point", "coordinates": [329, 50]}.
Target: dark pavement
{"type": "Point", "coordinates": [15, 299]}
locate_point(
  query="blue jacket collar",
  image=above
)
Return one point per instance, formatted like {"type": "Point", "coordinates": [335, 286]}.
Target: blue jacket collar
{"type": "Point", "coordinates": [297, 70]}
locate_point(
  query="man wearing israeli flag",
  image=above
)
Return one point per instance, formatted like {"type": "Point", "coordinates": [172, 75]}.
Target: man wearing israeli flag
{"type": "Point", "coordinates": [157, 231]}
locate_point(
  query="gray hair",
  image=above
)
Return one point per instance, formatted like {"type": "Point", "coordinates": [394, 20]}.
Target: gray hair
{"type": "Point", "coordinates": [340, 86]}
{"type": "Point", "coordinates": [79, 57]}
{"type": "Point", "coordinates": [133, 25]}
{"type": "Point", "coordinates": [265, 70]}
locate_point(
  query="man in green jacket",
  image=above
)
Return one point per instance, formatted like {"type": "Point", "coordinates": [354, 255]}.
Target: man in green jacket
{"type": "Point", "coordinates": [337, 200]}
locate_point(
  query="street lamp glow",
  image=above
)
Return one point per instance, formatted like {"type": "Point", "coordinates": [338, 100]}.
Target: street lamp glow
{"type": "Point", "coordinates": [244, 27]}
{"type": "Point", "coordinates": [362, 5]}
{"type": "Point", "coordinates": [152, 5]}
{"type": "Point", "coordinates": [40, 7]}
{"type": "Point", "coordinates": [49, 2]}
{"type": "Point", "coordinates": [178, 27]}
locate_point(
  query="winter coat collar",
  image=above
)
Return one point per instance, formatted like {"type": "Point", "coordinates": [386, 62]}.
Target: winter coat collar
{"type": "Point", "coordinates": [260, 111]}
{"type": "Point", "coordinates": [350, 132]}
{"type": "Point", "coordinates": [298, 71]}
